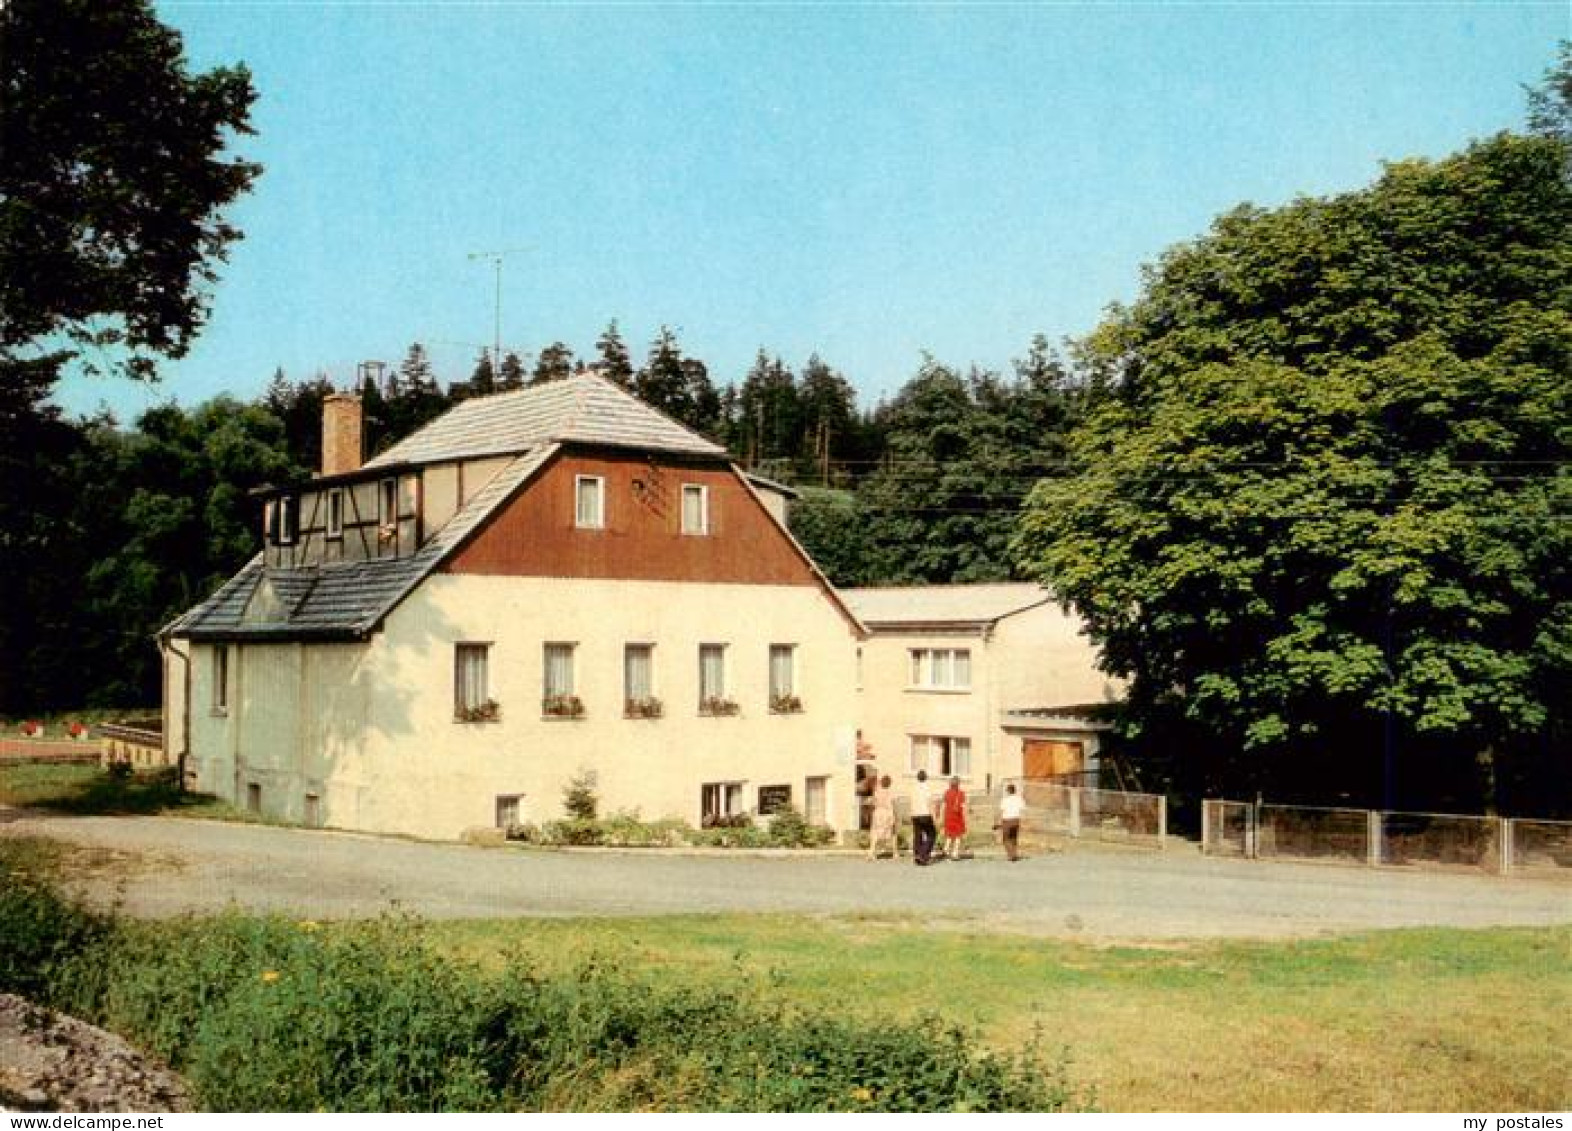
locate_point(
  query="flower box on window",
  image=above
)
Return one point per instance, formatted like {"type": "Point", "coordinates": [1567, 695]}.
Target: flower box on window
{"type": "Point", "coordinates": [562, 707]}
{"type": "Point", "coordinates": [785, 704]}
{"type": "Point", "coordinates": [648, 707]}
{"type": "Point", "coordinates": [488, 712]}
{"type": "Point", "coordinates": [718, 705]}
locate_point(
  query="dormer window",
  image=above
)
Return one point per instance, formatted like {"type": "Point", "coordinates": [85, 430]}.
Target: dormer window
{"type": "Point", "coordinates": [285, 512]}
{"type": "Point", "coordinates": [335, 513]}
{"type": "Point", "coordinates": [388, 500]}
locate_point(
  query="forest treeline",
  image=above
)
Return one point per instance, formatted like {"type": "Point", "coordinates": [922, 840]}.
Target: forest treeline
{"type": "Point", "coordinates": [127, 524]}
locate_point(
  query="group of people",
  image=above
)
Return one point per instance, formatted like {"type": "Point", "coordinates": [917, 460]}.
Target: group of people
{"type": "Point", "coordinates": [930, 814]}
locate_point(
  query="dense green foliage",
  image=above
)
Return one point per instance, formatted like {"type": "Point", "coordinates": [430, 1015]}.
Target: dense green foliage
{"type": "Point", "coordinates": [273, 1015]}
{"type": "Point", "coordinates": [1321, 521]}
{"type": "Point", "coordinates": [113, 183]}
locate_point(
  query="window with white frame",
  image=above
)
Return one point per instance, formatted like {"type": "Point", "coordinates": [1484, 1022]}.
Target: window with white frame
{"type": "Point", "coordinates": [942, 756]}
{"type": "Point", "coordinates": [719, 801]}
{"type": "Point", "coordinates": [638, 679]}
{"type": "Point", "coordinates": [712, 680]}
{"type": "Point", "coordinates": [695, 508]}
{"type": "Point", "coordinates": [557, 695]}
{"type": "Point", "coordinates": [783, 678]}
{"type": "Point", "coordinates": [589, 502]}
{"type": "Point", "coordinates": [335, 513]}
{"type": "Point", "coordinates": [472, 700]}
{"type": "Point", "coordinates": [220, 679]}
{"type": "Point", "coordinates": [948, 669]}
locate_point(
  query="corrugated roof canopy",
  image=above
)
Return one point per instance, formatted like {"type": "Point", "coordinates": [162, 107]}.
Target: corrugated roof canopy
{"type": "Point", "coordinates": [943, 604]}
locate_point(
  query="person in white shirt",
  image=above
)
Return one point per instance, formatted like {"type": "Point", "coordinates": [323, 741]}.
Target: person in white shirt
{"type": "Point", "coordinates": [1012, 807]}
{"type": "Point", "coordinates": [923, 830]}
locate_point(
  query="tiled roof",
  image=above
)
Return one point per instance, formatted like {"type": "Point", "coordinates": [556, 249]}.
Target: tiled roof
{"type": "Point", "coordinates": [343, 600]}
{"type": "Point", "coordinates": [957, 605]}
{"type": "Point", "coordinates": [585, 408]}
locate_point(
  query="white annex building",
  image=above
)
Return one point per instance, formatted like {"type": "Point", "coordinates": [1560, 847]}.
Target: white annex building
{"type": "Point", "coordinates": [562, 579]}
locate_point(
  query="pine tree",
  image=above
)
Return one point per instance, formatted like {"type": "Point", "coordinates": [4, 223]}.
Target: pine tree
{"type": "Point", "coordinates": [482, 382]}
{"type": "Point", "coordinates": [511, 375]}
{"type": "Point", "coordinates": [415, 397]}
{"type": "Point", "coordinates": [615, 362]}
{"type": "Point", "coordinates": [554, 364]}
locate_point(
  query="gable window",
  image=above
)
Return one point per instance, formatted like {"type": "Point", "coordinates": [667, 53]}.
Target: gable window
{"type": "Point", "coordinates": [721, 803]}
{"type": "Point", "coordinates": [472, 701]}
{"type": "Point", "coordinates": [557, 697]}
{"type": "Point", "coordinates": [941, 756]}
{"type": "Point", "coordinates": [695, 508]}
{"type": "Point", "coordinates": [638, 682]}
{"type": "Point", "coordinates": [589, 502]}
{"type": "Point", "coordinates": [783, 679]}
{"type": "Point", "coordinates": [712, 681]}
{"type": "Point", "coordinates": [948, 669]}
{"type": "Point", "coordinates": [220, 679]}
{"type": "Point", "coordinates": [335, 513]}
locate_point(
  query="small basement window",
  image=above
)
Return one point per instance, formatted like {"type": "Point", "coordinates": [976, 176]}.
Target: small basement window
{"type": "Point", "coordinates": [508, 809]}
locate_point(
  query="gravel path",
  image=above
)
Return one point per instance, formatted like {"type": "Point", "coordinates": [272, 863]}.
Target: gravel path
{"type": "Point", "coordinates": [190, 865]}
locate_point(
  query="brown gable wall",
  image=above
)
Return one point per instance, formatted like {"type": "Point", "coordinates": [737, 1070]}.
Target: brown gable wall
{"type": "Point", "coordinates": [535, 535]}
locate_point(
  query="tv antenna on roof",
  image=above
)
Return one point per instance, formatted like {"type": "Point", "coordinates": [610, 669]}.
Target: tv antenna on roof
{"type": "Point", "coordinates": [496, 258]}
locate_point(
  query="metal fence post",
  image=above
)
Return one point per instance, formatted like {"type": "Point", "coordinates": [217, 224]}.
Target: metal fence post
{"type": "Point", "coordinates": [1075, 810]}
{"type": "Point", "coordinates": [1505, 847]}
{"type": "Point", "coordinates": [1373, 837]}
{"type": "Point", "coordinates": [1162, 820]}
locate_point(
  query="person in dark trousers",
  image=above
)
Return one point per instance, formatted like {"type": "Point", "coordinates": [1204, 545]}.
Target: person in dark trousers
{"type": "Point", "coordinates": [1012, 806]}
{"type": "Point", "coordinates": [923, 831]}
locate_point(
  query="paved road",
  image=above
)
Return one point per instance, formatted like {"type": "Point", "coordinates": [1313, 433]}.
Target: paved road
{"type": "Point", "coordinates": [190, 865]}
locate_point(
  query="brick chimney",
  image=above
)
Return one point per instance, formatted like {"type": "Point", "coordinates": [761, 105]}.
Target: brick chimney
{"type": "Point", "coordinates": [341, 434]}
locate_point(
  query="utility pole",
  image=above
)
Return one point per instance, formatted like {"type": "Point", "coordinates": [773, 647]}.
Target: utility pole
{"type": "Point", "coordinates": [496, 258]}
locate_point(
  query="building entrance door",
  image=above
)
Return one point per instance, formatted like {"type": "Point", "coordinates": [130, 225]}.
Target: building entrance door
{"type": "Point", "coordinates": [815, 801]}
{"type": "Point", "coordinates": [1049, 758]}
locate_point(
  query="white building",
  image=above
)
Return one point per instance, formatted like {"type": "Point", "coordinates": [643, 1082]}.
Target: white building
{"type": "Point", "coordinates": [536, 584]}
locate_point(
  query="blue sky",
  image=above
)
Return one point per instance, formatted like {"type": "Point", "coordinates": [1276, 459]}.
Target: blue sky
{"type": "Point", "coordinates": [864, 181]}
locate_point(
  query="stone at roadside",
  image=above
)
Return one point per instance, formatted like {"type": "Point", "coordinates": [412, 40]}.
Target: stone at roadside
{"type": "Point", "coordinates": [51, 1062]}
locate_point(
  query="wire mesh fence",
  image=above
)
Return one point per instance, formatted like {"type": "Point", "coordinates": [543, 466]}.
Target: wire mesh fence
{"type": "Point", "coordinates": [1443, 841]}
{"type": "Point", "coordinates": [1057, 810]}
{"type": "Point", "coordinates": [1539, 847]}
{"type": "Point", "coordinates": [1305, 833]}
{"type": "Point", "coordinates": [1440, 840]}
{"type": "Point", "coordinates": [1227, 828]}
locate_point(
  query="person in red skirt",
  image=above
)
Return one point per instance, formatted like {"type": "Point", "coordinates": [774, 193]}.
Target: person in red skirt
{"type": "Point", "coordinates": [954, 813]}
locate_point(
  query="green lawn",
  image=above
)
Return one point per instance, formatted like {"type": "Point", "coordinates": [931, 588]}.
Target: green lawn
{"type": "Point", "coordinates": [1432, 1020]}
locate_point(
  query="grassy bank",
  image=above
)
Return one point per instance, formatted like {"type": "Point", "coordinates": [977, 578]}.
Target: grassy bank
{"type": "Point", "coordinates": [1419, 1020]}
{"type": "Point", "coordinates": [265, 1013]}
